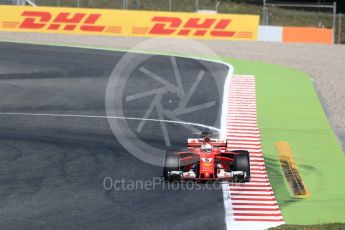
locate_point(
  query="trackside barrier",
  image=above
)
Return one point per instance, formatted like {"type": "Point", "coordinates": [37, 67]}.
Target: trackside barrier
{"type": "Point", "coordinates": [295, 34]}
{"type": "Point", "coordinates": [128, 23]}
{"type": "Point", "coordinates": [270, 33]}
{"type": "Point", "coordinates": [307, 35]}
{"type": "Point", "coordinates": [291, 171]}
{"type": "Point", "coordinates": [153, 24]}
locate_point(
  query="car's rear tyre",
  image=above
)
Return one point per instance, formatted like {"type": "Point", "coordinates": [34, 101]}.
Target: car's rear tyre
{"type": "Point", "coordinates": [171, 163]}
{"type": "Point", "coordinates": [242, 163]}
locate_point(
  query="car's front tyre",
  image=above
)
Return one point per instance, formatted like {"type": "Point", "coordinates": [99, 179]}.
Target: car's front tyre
{"type": "Point", "coordinates": [171, 163]}
{"type": "Point", "coordinates": [242, 163]}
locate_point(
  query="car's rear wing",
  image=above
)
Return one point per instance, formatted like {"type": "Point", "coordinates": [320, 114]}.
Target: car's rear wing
{"type": "Point", "coordinates": [195, 142]}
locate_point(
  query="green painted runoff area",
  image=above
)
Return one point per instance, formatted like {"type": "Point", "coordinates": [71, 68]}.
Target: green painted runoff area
{"type": "Point", "coordinates": [290, 110]}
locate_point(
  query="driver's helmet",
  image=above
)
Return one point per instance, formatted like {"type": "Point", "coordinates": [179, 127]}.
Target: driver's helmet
{"type": "Point", "coordinates": [206, 147]}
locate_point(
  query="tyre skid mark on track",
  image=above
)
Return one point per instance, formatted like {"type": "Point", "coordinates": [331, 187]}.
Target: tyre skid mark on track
{"type": "Point", "coordinates": [250, 205]}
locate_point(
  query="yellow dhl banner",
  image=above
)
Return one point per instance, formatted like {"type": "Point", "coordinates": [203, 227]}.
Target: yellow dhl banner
{"type": "Point", "coordinates": [128, 23]}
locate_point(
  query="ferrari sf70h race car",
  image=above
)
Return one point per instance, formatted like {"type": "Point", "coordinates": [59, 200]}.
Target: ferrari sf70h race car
{"type": "Point", "coordinates": [207, 159]}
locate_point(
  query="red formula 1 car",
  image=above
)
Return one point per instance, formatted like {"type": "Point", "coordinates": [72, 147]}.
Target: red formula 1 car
{"type": "Point", "coordinates": [207, 159]}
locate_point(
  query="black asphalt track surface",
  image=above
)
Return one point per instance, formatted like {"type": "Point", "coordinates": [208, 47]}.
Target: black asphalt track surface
{"type": "Point", "coordinates": [52, 169]}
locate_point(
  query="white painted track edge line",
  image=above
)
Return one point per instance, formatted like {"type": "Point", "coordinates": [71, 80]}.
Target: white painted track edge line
{"type": "Point", "coordinates": [106, 117]}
